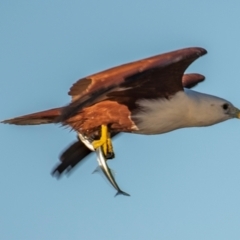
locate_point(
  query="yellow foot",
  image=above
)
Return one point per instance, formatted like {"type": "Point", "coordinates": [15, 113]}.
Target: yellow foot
{"type": "Point", "coordinates": [110, 153]}
{"type": "Point", "coordinates": [104, 142]}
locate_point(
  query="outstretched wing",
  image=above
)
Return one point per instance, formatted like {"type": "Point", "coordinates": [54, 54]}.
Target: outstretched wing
{"type": "Point", "coordinates": [150, 77]}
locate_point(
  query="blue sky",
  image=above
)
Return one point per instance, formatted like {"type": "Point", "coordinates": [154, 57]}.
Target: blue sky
{"type": "Point", "coordinates": [183, 185]}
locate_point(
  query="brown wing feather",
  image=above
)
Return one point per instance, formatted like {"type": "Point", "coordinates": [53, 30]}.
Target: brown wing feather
{"type": "Point", "coordinates": [110, 113]}
{"type": "Point", "coordinates": [170, 66]}
{"type": "Point", "coordinates": [190, 80]}
{"type": "Point", "coordinates": [79, 88]}
{"type": "Point", "coordinates": [43, 117]}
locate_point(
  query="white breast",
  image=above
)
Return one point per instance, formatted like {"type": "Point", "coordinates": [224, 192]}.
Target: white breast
{"type": "Point", "coordinates": [185, 109]}
{"type": "Point", "coordinates": [161, 115]}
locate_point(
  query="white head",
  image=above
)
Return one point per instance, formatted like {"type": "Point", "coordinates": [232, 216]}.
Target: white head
{"type": "Point", "coordinates": [184, 109]}
{"type": "Point", "coordinates": [206, 110]}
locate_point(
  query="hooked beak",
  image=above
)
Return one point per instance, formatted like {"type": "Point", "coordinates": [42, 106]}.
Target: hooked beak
{"type": "Point", "coordinates": [237, 113]}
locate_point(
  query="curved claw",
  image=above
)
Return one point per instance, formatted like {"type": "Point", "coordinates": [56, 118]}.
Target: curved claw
{"type": "Point", "coordinates": [105, 143]}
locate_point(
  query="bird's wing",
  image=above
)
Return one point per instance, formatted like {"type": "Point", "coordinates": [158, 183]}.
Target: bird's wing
{"type": "Point", "coordinates": [162, 73]}
{"type": "Point", "coordinates": [190, 80]}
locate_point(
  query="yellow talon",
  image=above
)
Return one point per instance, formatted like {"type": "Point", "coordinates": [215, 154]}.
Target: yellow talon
{"type": "Point", "coordinates": [109, 144]}
{"type": "Point", "coordinates": [104, 141]}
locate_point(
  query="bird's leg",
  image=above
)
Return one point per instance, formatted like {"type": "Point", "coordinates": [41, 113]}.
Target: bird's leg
{"type": "Point", "coordinates": [105, 142]}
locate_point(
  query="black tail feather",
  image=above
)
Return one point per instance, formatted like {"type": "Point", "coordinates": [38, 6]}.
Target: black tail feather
{"type": "Point", "coordinates": [73, 155]}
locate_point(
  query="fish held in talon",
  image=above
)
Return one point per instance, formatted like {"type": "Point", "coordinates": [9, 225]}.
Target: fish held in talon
{"type": "Point", "coordinates": [102, 162]}
{"type": "Point", "coordinates": [87, 142]}
{"type": "Point", "coordinates": [108, 172]}
{"type": "Point", "coordinates": [149, 96]}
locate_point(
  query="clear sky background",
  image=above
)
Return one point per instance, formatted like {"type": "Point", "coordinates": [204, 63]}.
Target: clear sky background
{"type": "Point", "coordinates": [183, 185]}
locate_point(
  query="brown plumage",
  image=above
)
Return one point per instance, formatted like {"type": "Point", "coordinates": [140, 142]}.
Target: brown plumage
{"type": "Point", "coordinates": [155, 77]}
{"type": "Point", "coordinates": [37, 118]}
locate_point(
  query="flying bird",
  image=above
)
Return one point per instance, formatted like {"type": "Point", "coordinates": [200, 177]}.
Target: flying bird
{"type": "Point", "coordinates": [148, 96]}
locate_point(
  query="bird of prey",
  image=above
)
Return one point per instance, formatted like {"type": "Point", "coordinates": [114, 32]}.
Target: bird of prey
{"type": "Point", "coordinates": [148, 96]}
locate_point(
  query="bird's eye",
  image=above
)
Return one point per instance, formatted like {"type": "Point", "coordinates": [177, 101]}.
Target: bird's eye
{"type": "Point", "coordinates": [225, 106]}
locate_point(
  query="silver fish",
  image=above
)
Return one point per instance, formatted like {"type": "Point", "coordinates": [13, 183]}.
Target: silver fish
{"type": "Point", "coordinates": [107, 171]}
{"type": "Point", "coordinates": [102, 162]}
{"type": "Point", "coordinates": [87, 141]}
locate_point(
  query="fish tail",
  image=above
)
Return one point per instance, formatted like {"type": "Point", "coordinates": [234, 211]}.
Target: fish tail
{"type": "Point", "coordinates": [120, 192]}
{"type": "Point", "coordinates": [96, 170]}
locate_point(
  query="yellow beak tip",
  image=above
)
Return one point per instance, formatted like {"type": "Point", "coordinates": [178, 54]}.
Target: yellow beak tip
{"type": "Point", "coordinates": [238, 114]}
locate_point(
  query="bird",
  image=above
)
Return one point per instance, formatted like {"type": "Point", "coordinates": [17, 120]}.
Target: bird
{"type": "Point", "coordinates": [148, 96]}
{"type": "Point", "coordinates": [77, 151]}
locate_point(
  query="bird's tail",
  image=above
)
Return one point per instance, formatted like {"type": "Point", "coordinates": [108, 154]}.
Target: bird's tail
{"type": "Point", "coordinates": [43, 117]}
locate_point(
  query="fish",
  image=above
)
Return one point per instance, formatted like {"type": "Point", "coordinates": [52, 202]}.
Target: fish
{"type": "Point", "coordinates": [108, 172]}
{"type": "Point", "coordinates": [102, 162]}
{"type": "Point", "coordinates": [87, 141]}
